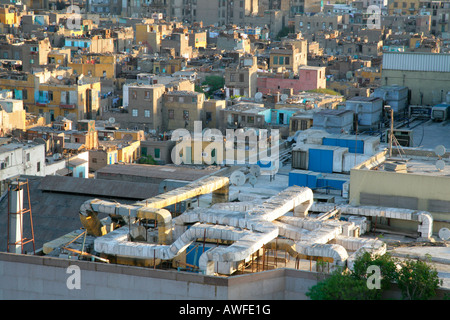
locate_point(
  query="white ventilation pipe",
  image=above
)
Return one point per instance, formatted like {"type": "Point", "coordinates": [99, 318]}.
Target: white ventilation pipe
{"type": "Point", "coordinates": [424, 218]}
{"type": "Point", "coordinates": [245, 243]}
{"type": "Point", "coordinates": [15, 219]}
{"type": "Point", "coordinates": [257, 222]}
{"type": "Point", "coordinates": [359, 245]}
{"type": "Point", "coordinates": [151, 208]}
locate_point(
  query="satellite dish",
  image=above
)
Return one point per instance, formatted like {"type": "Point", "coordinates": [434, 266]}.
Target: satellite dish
{"type": "Point", "coordinates": [444, 234]}
{"type": "Point", "coordinates": [112, 120]}
{"type": "Point", "coordinates": [238, 178]}
{"type": "Point", "coordinates": [440, 150]}
{"type": "Point", "coordinates": [258, 96]}
{"type": "Point", "coordinates": [440, 165]}
{"type": "Point", "coordinates": [284, 97]}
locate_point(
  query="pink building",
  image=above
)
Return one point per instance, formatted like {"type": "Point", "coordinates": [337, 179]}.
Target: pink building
{"type": "Point", "coordinates": [309, 78]}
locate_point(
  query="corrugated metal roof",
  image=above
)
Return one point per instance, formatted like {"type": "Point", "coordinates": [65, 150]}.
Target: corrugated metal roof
{"type": "Point", "coordinates": [155, 171]}
{"type": "Point", "coordinates": [99, 187]}
{"type": "Point", "coordinates": [416, 61]}
{"type": "Point", "coordinates": [54, 213]}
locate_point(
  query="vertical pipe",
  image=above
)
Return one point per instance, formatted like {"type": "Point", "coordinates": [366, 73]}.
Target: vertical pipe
{"type": "Point", "coordinates": [16, 219]}
{"type": "Point", "coordinates": [263, 258]}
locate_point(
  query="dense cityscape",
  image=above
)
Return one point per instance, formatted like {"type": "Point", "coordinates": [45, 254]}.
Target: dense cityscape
{"type": "Point", "coordinates": [224, 150]}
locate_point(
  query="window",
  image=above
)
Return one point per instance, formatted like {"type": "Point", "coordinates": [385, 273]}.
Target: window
{"type": "Point", "coordinates": [147, 95]}
{"type": "Point", "coordinates": [94, 160]}
{"type": "Point", "coordinates": [251, 119]}
{"type": "Point", "coordinates": [135, 112]}
{"type": "Point", "coordinates": [31, 61]}
{"type": "Point", "coordinates": [281, 60]}
{"type": "Point", "coordinates": [147, 113]}
{"type": "Point", "coordinates": [157, 153]}
{"type": "Point", "coordinates": [50, 96]}
{"type": "Point", "coordinates": [171, 114]}
{"type": "Point", "coordinates": [286, 60]}
{"type": "Point", "coordinates": [38, 167]}
{"type": "Point", "coordinates": [24, 94]}
{"type": "Point", "coordinates": [241, 77]}
{"type": "Point", "coordinates": [186, 114]}
{"type": "Point", "coordinates": [134, 94]}
{"type": "Point", "coordinates": [275, 60]}
{"type": "Point", "coordinates": [28, 156]}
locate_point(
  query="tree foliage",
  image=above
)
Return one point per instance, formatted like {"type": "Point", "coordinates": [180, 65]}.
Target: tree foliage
{"type": "Point", "coordinates": [341, 286]}
{"type": "Point", "coordinates": [215, 83]}
{"type": "Point", "coordinates": [417, 280]}
{"type": "Point", "coordinates": [147, 160]}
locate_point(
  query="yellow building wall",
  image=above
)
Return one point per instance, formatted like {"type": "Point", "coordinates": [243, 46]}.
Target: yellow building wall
{"type": "Point", "coordinates": [178, 108]}
{"type": "Point", "coordinates": [80, 102]}
{"type": "Point", "coordinates": [130, 153]}
{"type": "Point", "coordinates": [423, 187]}
{"type": "Point", "coordinates": [107, 63]}
{"type": "Point", "coordinates": [28, 85]}
{"type": "Point", "coordinates": [136, 135]}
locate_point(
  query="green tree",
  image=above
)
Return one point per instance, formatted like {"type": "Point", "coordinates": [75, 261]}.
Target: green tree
{"type": "Point", "coordinates": [146, 160]}
{"type": "Point", "coordinates": [386, 263]}
{"type": "Point", "coordinates": [418, 280]}
{"type": "Point", "coordinates": [215, 83]}
{"type": "Point", "coordinates": [341, 286]}
{"type": "Point", "coordinates": [325, 91]}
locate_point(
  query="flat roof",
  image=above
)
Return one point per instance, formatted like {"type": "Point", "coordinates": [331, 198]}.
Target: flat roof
{"type": "Point", "coordinates": [99, 187]}
{"type": "Point", "coordinates": [157, 171]}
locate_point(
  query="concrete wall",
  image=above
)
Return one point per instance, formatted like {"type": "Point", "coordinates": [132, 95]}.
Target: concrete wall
{"type": "Point", "coordinates": [429, 190]}
{"type": "Point", "coordinates": [37, 277]}
{"type": "Point", "coordinates": [427, 88]}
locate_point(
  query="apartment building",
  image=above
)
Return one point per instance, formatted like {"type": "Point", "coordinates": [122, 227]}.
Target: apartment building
{"type": "Point", "coordinates": [288, 57]}
{"type": "Point", "coordinates": [223, 12]}
{"type": "Point", "coordinates": [33, 52]}
{"type": "Point", "coordinates": [94, 65]}
{"type": "Point", "coordinates": [182, 109]}
{"type": "Point", "coordinates": [12, 116]}
{"type": "Point", "coordinates": [309, 78]}
{"type": "Point", "coordinates": [74, 97]}
{"type": "Point", "coordinates": [319, 22]}
{"type": "Point", "coordinates": [241, 78]}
